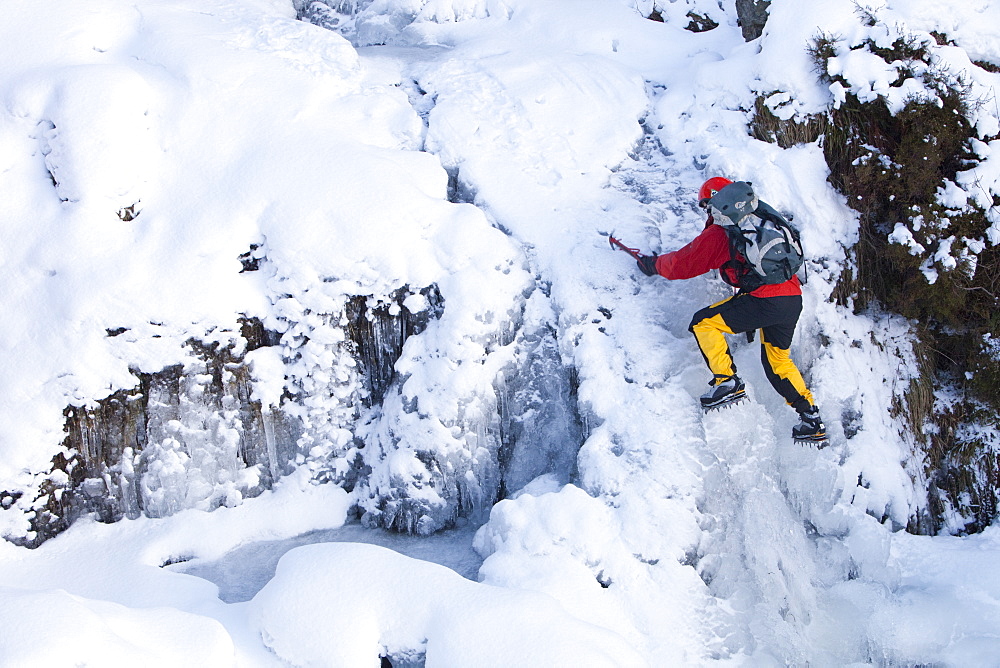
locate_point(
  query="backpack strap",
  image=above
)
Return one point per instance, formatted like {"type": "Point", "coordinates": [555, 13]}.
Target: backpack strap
{"type": "Point", "coordinates": [737, 272]}
{"type": "Point", "coordinates": [765, 212]}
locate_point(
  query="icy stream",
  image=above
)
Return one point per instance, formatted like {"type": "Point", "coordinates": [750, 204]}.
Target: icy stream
{"type": "Point", "coordinates": [244, 571]}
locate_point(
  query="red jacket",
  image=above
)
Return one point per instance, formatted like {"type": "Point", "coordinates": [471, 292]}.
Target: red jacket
{"type": "Point", "coordinates": [708, 251]}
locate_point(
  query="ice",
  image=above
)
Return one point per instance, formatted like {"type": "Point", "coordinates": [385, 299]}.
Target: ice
{"type": "Point", "coordinates": [540, 427]}
{"type": "Point", "coordinates": [244, 571]}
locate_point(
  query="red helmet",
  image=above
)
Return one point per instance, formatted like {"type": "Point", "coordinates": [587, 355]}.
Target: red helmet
{"type": "Point", "coordinates": [710, 187]}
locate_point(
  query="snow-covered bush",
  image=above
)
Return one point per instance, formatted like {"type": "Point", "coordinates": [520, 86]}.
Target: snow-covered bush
{"type": "Point", "coordinates": [899, 135]}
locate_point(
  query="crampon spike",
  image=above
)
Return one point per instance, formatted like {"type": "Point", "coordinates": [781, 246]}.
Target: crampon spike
{"type": "Point", "coordinates": [734, 401]}
{"type": "Point", "coordinates": [819, 441]}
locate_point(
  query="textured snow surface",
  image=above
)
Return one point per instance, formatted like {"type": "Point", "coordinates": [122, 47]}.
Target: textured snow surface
{"type": "Point", "coordinates": [668, 538]}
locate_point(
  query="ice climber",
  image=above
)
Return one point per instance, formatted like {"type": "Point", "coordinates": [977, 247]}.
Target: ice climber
{"type": "Point", "coordinates": [770, 304]}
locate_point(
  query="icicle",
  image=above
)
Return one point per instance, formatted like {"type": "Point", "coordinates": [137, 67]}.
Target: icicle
{"type": "Point", "coordinates": [272, 452]}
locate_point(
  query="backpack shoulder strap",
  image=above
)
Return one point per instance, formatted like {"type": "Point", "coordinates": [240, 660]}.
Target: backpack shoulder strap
{"type": "Point", "coordinates": [736, 271]}
{"type": "Point", "coordinates": [766, 212]}
{"type": "Point", "coordinates": [737, 242]}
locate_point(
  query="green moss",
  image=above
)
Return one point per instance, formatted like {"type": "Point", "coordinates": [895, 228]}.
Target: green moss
{"type": "Point", "coordinates": [962, 463]}
{"type": "Point", "coordinates": [765, 126]}
{"type": "Point", "coordinates": [890, 168]}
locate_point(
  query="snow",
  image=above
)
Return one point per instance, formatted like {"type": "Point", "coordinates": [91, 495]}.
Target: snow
{"type": "Point", "coordinates": [410, 607]}
{"type": "Point", "coordinates": [636, 530]}
{"type": "Point", "coordinates": [108, 634]}
{"type": "Point", "coordinates": [902, 235]}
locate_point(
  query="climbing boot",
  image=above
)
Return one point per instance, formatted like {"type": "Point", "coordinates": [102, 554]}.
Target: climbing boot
{"type": "Point", "coordinates": [811, 428]}
{"type": "Point", "coordinates": [725, 391]}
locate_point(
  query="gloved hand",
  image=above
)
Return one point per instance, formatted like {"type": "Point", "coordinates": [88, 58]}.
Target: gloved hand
{"type": "Point", "coordinates": [647, 264]}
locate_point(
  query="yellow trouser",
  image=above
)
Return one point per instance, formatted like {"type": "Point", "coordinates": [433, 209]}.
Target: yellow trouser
{"type": "Point", "coordinates": [783, 374]}
{"type": "Point", "coordinates": [776, 318]}
{"type": "Point", "coordinates": [710, 336]}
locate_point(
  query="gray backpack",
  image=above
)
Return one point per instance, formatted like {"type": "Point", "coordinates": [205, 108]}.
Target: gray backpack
{"type": "Point", "coordinates": [766, 249]}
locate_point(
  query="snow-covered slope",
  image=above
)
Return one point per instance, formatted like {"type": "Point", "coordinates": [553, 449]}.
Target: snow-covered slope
{"type": "Point", "coordinates": [457, 162]}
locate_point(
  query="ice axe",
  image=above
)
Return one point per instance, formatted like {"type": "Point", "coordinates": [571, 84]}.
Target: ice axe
{"type": "Point", "coordinates": [618, 245]}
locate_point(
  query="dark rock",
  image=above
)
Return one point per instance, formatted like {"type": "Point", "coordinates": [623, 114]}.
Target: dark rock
{"type": "Point", "coordinates": [752, 17]}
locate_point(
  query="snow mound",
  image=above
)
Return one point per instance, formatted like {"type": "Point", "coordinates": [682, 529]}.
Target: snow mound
{"type": "Point", "coordinates": [382, 603]}
{"type": "Point", "coordinates": [99, 633]}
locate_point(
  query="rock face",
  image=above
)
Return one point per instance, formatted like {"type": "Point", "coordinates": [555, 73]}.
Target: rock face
{"type": "Point", "coordinates": [197, 435]}
{"type": "Point", "coordinates": [752, 17]}
{"type": "Point", "coordinates": [206, 432]}
{"type": "Point", "coordinates": [188, 436]}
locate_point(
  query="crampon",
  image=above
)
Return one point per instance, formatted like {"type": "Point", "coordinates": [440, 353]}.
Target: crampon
{"type": "Point", "coordinates": [820, 440]}
{"type": "Point", "coordinates": [726, 391]}
{"type": "Point", "coordinates": [811, 429]}
{"type": "Point", "coordinates": [727, 402]}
